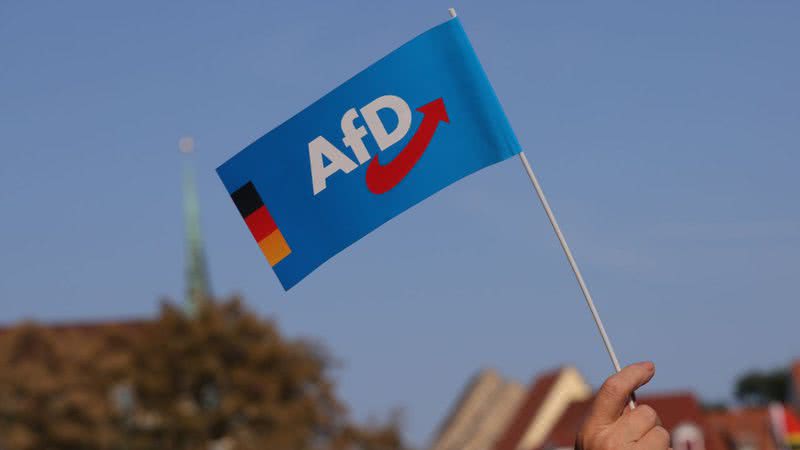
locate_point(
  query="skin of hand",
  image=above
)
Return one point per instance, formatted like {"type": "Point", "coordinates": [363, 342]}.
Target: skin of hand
{"type": "Point", "coordinates": [612, 425]}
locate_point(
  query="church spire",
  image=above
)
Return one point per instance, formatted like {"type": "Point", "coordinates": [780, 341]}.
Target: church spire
{"type": "Point", "coordinates": [198, 289]}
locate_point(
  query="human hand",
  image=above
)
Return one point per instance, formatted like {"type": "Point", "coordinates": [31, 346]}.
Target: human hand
{"type": "Point", "coordinates": [612, 425]}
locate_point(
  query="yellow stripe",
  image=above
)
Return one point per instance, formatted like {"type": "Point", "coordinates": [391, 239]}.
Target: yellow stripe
{"type": "Point", "coordinates": [274, 247]}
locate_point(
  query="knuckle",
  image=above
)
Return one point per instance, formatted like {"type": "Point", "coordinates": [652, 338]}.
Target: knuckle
{"type": "Point", "coordinates": [647, 414]}
{"type": "Point", "coordinates": [662, 434]}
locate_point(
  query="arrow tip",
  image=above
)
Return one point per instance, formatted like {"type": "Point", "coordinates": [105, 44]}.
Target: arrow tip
{"type": "Point", "coordinates": [435, 110]}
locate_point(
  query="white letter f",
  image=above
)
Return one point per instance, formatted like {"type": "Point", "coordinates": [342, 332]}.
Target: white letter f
{"type": "Point", "coordinates": [353, 135]}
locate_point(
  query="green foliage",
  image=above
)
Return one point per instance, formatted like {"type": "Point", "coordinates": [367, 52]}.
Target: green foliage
{"type": "Point", "coordinates": [760, 388]}
{"type": "Point", "coordinates": [714, 406]}
{"type": "Point", "coordinates": [221, 379]}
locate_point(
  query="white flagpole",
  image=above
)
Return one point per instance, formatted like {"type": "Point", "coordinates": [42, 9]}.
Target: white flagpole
{"type": "Point", "coordinates": [568, 253]}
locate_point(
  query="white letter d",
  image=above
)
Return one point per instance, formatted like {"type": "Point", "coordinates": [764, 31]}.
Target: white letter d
{"type": "Point", "coordinates": [400, 108]}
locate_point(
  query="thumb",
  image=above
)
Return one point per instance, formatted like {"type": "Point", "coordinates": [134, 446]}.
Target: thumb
{"type": "Point", "coordinates": [614, 394]}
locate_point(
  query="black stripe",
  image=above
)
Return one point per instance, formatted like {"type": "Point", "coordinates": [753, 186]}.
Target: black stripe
{"type": "Point", "coordinates": [246, 199]}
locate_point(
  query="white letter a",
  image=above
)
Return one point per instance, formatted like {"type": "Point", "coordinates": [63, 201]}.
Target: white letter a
{"type": "Point", "coordinates": [319, 171]}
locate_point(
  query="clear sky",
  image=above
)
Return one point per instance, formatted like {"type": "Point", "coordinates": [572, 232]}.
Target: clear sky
{"type": "Point", "coordinates": [666, 134]}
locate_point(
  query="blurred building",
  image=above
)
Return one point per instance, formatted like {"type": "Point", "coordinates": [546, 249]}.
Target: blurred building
{"type": "Point", "coordinates": [544, 405]}
{"type": "Point", "coordinates": [494, 413]}
{"type": "Point", "coordinates": [484, 407]}
{"type": "Point", "coordinates": [745, 428]}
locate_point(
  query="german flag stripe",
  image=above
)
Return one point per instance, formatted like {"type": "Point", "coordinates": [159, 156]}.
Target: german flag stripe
{"type": "Point", "coordinates": [246, 199]}
{"type": "Point", "coordinates": [261, 224]}
{"type": "Point", "coordinates": [274, 247]}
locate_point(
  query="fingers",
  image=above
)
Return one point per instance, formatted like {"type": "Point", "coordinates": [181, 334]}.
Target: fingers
{"type": "Point", "coordinates": [614, 394]}
{"type": "Point", "coordinates": [655, 439]}
{"type": "Point", "coordinates": [607, 428]}
{"type": "Point", "coordinates": [633, 425]}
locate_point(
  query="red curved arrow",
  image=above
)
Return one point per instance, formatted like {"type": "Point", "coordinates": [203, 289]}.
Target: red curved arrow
{"type": "Point", "coordinates": [383, 177]}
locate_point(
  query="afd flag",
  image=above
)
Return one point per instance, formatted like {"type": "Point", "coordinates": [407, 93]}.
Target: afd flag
{"type": "Point", "coordinates": [411, 124]}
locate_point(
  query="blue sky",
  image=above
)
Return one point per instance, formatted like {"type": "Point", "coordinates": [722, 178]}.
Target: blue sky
{"type": "Point", "coordinates": [666, 136]}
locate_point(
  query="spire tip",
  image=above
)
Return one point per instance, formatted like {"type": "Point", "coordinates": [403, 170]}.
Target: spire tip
{"type": "Point", "coordinates": [186, 144]}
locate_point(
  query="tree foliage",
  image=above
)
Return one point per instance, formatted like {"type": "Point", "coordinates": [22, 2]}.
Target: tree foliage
{"type": "Point", "coordinates": [761, 388]}
{"type": "Point", "coordinates": [223, 379]}
{"type": "Point", "coordinates": [53, 389]}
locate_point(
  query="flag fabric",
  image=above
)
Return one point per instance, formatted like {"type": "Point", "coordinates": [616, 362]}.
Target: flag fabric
{"type": "Point", "coordinates": [786, 425]}
{"type": "Point", "coordinates": [414, 122]}
{"type": "Point", "coordinates": [792, 427]}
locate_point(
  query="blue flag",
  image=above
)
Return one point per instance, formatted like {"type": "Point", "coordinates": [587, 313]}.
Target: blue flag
{"type": "Point", "coordinates": [411, 124]}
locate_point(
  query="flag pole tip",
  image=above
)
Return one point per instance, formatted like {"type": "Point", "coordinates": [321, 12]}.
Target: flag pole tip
{"type": "Point", "coordinates": [452, 12]}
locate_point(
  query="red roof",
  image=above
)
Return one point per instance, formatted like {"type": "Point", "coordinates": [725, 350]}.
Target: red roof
{"type": "Point", "coordinates": [565, 430]}
{"type": "Point", "coordinates": [743, 427]}
{"type": "Point", "coordinates": [527, 410]}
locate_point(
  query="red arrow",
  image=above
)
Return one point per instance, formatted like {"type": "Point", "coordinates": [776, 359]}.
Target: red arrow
{"type": "Point", "coordinates": [383, 177]}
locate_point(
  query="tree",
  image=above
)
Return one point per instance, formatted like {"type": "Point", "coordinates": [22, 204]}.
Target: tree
{"type": "Point", "coordinates": [52, 393]}
{"type": "Point", "coordinates": [222, 379]}
{"type": "Point", "coordinates": [760, 388]}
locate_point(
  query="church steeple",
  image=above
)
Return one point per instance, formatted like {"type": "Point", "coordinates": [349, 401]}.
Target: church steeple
{"type": "Point", "coordinates": [198, 288]}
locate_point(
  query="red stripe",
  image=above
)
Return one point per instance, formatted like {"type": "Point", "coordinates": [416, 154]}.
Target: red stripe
{"type": "Point", "coordinates": [260, 223]}
{"type": "Point", "coordinates": [792, 422]}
